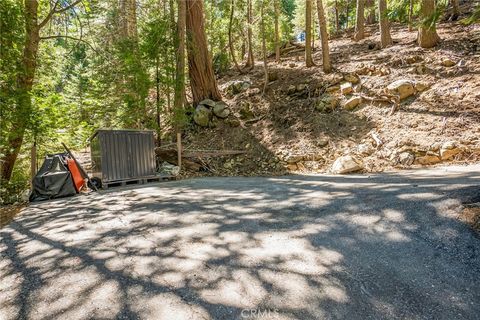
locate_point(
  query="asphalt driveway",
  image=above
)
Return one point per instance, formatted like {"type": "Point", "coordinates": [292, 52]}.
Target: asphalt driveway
{"type": "Point", "coordinates": [298, 247]}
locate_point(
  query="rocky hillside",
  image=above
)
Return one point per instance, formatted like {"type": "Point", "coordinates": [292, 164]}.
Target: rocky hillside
{"type": "Point", "coordinates": [395, 108]}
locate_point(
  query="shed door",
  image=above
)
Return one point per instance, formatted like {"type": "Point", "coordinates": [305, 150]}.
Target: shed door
{"type": "Point", "coordinates": [115, 165]}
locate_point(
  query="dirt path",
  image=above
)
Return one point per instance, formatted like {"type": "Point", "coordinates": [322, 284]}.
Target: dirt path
{"type": "Point", "coordinates": [297, 247]}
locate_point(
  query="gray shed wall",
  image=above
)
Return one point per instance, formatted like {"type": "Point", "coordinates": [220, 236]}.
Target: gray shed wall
{"type": "Point", "coordinates": [122, 154]}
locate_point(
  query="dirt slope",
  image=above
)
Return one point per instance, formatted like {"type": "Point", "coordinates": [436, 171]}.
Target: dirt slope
{"type": "Point", "coordinates": [289, 128]}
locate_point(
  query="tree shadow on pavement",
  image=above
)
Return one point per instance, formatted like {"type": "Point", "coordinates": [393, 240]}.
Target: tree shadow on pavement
{"type": "Point", "coordinates": [297, 247]}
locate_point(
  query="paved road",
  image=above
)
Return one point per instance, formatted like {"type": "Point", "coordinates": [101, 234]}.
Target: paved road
{"type": "Point", "coordinates": [297, 247]}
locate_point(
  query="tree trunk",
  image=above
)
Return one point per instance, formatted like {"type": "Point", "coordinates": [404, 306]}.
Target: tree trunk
{"type": "Point", "coordinates": [322, 22]}
{"type": "Point", "coordinates": [360, 21]}
{"type": "Point", "coordinates": [371, 11]}
{"type": "Point", "coordinates": [25, 79]}
{"type": "Point", "coordinates": [337, 20]}
{"type": "Point", "coordinates": [202, 77]}
{"type": "Point", "coordinates": [308, 33]}
{"type": "Point", "coordinates": [427, 33]}
{"type": "Point", "coordinates": [230, 39]}
{"type": "Point", "coordinates": [250, 60]}
{"type": "Point", "coordinates": [456, 10]}
{"type": "Point", "coordinates": [179, 96]}
{"type": "Point", "coordinates": [277, 35]}
{"type": "Point", "coordinates": [128, 19]}
{"type": "Point", "coordinates": [410, 16]}
{"type": "Point", "coordinates": [264, 47]}
{"type": "Point", "coordinates": [347, 10]}
{"type": "Point", "coordinates": [385, 37]}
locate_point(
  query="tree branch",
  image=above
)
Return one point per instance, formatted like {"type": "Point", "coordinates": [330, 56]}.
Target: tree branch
{"type": "Point", "coordinates": [69, 37]}
{"type": "Point", "coordinates": [54, 10]}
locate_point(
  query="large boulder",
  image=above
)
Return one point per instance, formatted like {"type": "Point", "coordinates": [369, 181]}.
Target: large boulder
{"type": "Point", "coordinates": [402, 88]}
{"type": "Point", "coordinates": [202, 115]}
{"type": "Point", "coordinates": [346, 164]}
{"type": "Point", "coordinates": [221, 110]}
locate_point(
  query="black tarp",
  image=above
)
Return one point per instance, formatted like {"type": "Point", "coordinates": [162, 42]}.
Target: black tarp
{"type": "Point", "coordinates": [53, 180]}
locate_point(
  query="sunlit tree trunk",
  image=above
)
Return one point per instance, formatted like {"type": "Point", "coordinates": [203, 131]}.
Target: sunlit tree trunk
{"type": "Point", "coordinates": [308, 33]}
{"type": "Point", "coordinates": [277, 33]}
{"type": "Point", "coordinates": [250, 60]}
{"type": "Point", "coordinates": [202, 77]}
{"type": "Point", "coordinates": [25, 77]}
{"type": "Point", "coordinates": [427, 32]}
{"type": "Point", "coordinates": [322, 22]}
{"type": "Point", "coordinates": [360, 21]}
{"type": "Point", "coordinates": [128, 19]}
{"type": "Point", "coordinates": [385, 37]}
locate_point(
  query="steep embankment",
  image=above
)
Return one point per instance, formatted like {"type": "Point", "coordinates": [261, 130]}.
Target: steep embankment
{"type": "Point", "coordinates": [306, 119]}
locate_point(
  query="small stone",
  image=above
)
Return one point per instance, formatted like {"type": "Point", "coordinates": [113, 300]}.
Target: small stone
{"type": "Point", "coordinates": [406, 158]}
{"type": "Point", "coordinates": [294, 158]}
{"type": "Point", "coordinates": [322, 142]}
{"type": "Point", "coordinates": [233, 123]}
{"type": "Point", "coordinates": [352, 103]}
{"type": "Point", "coordinates": [207, 102]}
{"type": "Point", "coordinates": [346, 88]}
{"type": "Point", "coordinates": [292, 65]}
{"type": "Point", "coordinates": [403, 88]}
{"type": "Point", "coordinates": [447, 62]}
{"type": "Point", "coordinates": [428, 159]}
{"type": "Point", "coordinates": [291, 89]}
{"type": "Point", "coordinates": [420, 86]}
{"type": "Point", "coordinates": [221, 110]}
{"type": "Point", "coordinates": [326, 104]}
{"type": "Point", "coordinates": [202, 116]}
{"type": "Point", "coordinates": [346, 164]}
{"type": "Point", "coordinates": [449, 150]}
{"type": "Point", "coordinates": [292, 167]}
{"type": "Point", "coordinates": [365, 149]}
{"type": "Point", "coordinates": [350, 77]}
{"type": "Point", "coordinates": [301, 87]}
{"type": "Point", "coordinates": [333, 89]}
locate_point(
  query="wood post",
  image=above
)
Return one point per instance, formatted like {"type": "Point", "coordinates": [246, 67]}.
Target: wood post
{"type": "Point", "coordinates": [179, 150]}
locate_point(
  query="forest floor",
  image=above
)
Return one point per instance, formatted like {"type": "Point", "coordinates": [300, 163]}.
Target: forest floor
{"type": "Point", "coordinates": [284, 130]}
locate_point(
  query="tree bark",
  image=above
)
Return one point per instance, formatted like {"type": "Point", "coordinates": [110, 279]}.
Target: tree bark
{"type": "Point", "coordinates": [250, 60]}
{"type": "Point", "coordinates": [385, 37]}
{"type": "Point", "coordinates": [202, 77]}
{"type": "Point", "coordinates": [230, 39]}
{"type": "Point", "coordinates": [360, 21]}
{"type": "Point", "coordinates": [128, 19]}
{"type": "Point", "coordinates": [410, 16]}
{"type": "Point", "coordinates": [337, 19]}
{"type": "Point", "coordinates": [370, 4]}
{"type": "Point", "coordinates": [427, 32]}
{"type": "Point", "coordinates": [322, 22]}
{"type": "Point", "coordinates": [308, 34]}
{"type": "Point", "coordinates": [456, 10]}
{"type": "Point", "coordinates": [277, 35]}
{"type": "Point", "coordinates": [264, 47]}
{"type": "Point", "coordinates": [25, 79]}
{"type": "Point", "coordinates": [179, 96]}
